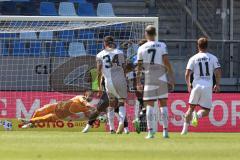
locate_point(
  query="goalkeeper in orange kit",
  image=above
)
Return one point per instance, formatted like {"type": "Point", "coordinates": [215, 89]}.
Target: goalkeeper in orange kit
{"type": "Point", "coordinates": [63, 110]}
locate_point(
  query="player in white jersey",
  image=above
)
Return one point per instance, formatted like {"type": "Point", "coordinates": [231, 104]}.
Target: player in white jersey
{"type": "Point", "coordinates": [110, 65]}
{"type": "Point", "coordinates": [202, 65]}
{"type": "Point", "coordinates": [153, 60]}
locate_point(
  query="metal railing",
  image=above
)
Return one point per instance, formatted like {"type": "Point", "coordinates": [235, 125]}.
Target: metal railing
{"type": "Point", "coordinates": [185, 48]}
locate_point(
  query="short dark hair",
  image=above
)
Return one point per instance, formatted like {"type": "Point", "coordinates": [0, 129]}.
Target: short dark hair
{"type": "Point", "coordinates": [109, 40]}
{"type": "Point", "coordinates": [202, 43]}
{"type": "Point", "coordinates": [150, 30]}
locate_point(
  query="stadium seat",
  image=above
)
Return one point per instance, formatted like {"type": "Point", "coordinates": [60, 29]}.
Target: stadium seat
{"type": "Point", "coordinates": [1, 47]}
{"type": "Point", "coordinates": [86, 9]}
{"type": "Point", "coordinates": [28, 9]}
{"type": "Point", "coordinates": [19, 48]}
{"type": "Point", "coordinates": [85, 35]}
{"type": "Point", "coordinates": [6, 45]}
{"type": "Point", "coordinates": [66, 9]}
{"type": "Point", "coordinates": [34, 48]}
{"type": "Point", "coordinates": [105, 10]}
{"type": "Point", "coordinates": [28, 35]}
{"type": "Point", "coordinates": [20, 0]}
{"type": "Point", "coordinates": [9, 8]}
{"type": "Point", "coordinates": [56, 49]}
{"type": "Point", "coordinates": [66, 35]}
{"type": "Point", "coordinates": [78, 1]}
{"type": "Point", "coordinates": [46, 35]}
{"type": "Point", "coordinates": [76, 49]}
{"type": "Point", "coordinates": [48, 9]}
{"type": "Point", "coordinates": [8, 35]}
{"type": "Point", "coordinates": [94, 47]}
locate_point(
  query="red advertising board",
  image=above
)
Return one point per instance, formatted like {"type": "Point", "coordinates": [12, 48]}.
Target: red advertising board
{"type": "Point", "coordinates": [224, 116]}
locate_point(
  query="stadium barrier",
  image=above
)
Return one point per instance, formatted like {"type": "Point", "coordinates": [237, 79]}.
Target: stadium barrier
{"type": "Point", "coordinates": [224, 116]}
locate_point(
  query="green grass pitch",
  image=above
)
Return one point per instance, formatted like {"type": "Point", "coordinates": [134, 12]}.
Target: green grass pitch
{"type": "Point", "coordinates": [51, 145]}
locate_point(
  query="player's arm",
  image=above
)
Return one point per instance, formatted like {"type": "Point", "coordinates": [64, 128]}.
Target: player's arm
{"type": "Point", "coordinates": [188, 79]}
{"type": "Point", "coordinates": [218, 74]}
{"type": "Point", "coordinates": [169, 70]}
{"type": "Point", "coordinates": [189, 71]}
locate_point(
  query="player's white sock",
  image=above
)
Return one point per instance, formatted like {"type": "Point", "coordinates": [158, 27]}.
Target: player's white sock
{"type": "Point", "coordinates": [150, 118]}
{"type": "Point", "coordinates": [122, 114]}
{"type": "Point", "coordinates": [199, 114]}
{"type": "Point", "coordinates": [87, 127]}
{"type": "Point", "coordinates": [164, 116]}
{"type": "Point", "coordinates": [136, 109]}
{"type": "Point", "coordinates": [126, 130]}
{"type": "Point", "coordinates": [110, 116]}
{"type": "Point", "coordinates": [185, 128]}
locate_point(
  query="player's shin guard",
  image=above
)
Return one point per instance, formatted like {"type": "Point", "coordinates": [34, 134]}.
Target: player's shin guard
{"type": "Point", "coordinates": [164, 117]}
{"type": "Point", "coordinates": [122, 114]}
{"type": "Point", "coordinates": [110, 116]}
{"type": "Point", "coordinates": [150, 118]}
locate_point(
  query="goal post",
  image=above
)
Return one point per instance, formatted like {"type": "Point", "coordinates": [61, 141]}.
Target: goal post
{"type": "Point", "coordinates": [46, 59]}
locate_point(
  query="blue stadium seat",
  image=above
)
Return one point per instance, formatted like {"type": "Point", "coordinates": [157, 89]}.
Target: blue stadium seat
{"type": "Point", "coordinates": [78, 1]}
{"type": "Point", "coordinates": [8, 35]}
{"type": "Point", "coordinates": [94, 48]}
{"type": "Point", "coordinates": [6, 45]}
{"type": "Point", "coordinates": [105, 10]}
{"type": "Point", "coordinates": [66, 35]}
{"type": "Point", "coordinates": [28, 9]}
{"type": "Point", "coordinates": [66, 9]}
{"type": "Point", "coordinates": [26, 48]}
{"type": "Point", "coordinates": [86, 9]}
{"type": "Point", "coordinates": [19, 48]}
{"type": "Point", "coordinates": [76, 49]}
{"type": "Point", "coordinates": [34, 48]}
{"type": "Point", "coordinates": [9, 8]}
{"type": "Point", "coordinates": [48, 9]}
{"type": "Point", "coordinates": [20, 0]}
{"type": "Point", "coordinates": [85, 35]}
{"type": "Point", "coordinates": [60, 49]}
{"type": "Point", "coordinates": [46, 35]}
{"type": "Point", "coordinates": [1, 47]}
{"type": "Point", "coordinates": [56, 49]}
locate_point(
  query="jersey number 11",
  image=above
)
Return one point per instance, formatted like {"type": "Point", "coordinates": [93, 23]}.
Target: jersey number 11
{"type": "Point", "coordinates": [201, 69]}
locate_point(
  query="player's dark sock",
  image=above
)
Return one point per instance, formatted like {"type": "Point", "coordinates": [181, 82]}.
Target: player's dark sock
{"type": "Point", "coordinates": [92, 118]}
{"type": "Point", "coordinates": [125, 122]}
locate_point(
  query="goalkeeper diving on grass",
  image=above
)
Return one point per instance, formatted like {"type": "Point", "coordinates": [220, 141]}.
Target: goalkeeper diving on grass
{"type": "Point", "coordinates": [76, 108]}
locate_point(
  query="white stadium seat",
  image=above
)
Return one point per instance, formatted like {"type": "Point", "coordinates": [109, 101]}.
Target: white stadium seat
{"type": "Point", "coordinates": [105, 10]}
{"type": "Point", "coordinates": [67, 9]}
{"type": "Point", "coordinates": [76, 49]}
{"type": "Point", "coordinates": [28, 35]}
{"type": "Point", "coordinates": [46, 35]}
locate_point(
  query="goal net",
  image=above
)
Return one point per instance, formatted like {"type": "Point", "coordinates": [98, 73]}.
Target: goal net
{"type": "Point", "coordinates": [48, 59]}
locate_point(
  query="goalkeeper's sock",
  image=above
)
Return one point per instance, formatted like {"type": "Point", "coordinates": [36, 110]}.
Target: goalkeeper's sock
{"type": "Point", "coordinates": [164, 117]}
{"type": "Point", "coordinates": [185, 128]}
{"type": "Point", "coordinates": [110, 116]}
{"type": "Point", "coordinates": [150, 118]}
